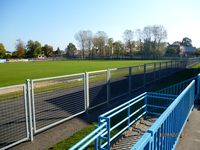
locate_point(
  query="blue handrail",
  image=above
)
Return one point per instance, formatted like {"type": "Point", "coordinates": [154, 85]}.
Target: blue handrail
{"type": "Point", "coordinates": [163, 129]}
{"type": "Point", "coordinates": [90, 137]}
{"type": "Point", "coordinates": [162, 134]}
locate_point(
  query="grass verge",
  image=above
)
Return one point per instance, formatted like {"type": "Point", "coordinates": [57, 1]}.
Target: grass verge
{"type": "Point", "coordinates": [69, 142]}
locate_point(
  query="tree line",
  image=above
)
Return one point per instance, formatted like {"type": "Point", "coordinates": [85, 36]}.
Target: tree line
{"type": "Point", "coordinates": [149, 41]}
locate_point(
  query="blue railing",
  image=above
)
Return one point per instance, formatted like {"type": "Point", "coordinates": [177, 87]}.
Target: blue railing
{"type": "Point", "coordinates": [164, 134]}
{"type": "Point", "coordinates": [177, 88]}
{"type": "Point", "coordinates": [119, 119]}
{"type": "Point", "coordinates": [173, 103]}
{"type": "Point", "coordinates": [86, 141]}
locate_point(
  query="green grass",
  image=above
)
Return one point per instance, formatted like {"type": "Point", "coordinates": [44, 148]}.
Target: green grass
{"type": "Point", "coordinates": [69, 142]}
{"type": "Point", "coordinates": [17, 73]}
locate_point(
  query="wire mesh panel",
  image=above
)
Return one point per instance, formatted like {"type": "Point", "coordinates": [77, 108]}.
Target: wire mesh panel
{"type": "Point", "coordinates": [156, 71]}
{"type": "Point", "coordinates": [149, 73]}
{"type": "Point", "coordinates": [163, 69]}
{"type": "Point", "coordinates": [170, 66]}
{"type": "Point", "coordinates": [137, 80]}
{"type": "Point", "coordinates": [13, 116]}
{"type": "Point", "coordinates": [119, 82]}
{"type": "Point", "coordinates": [97, 88]}
{"type": "Point", "coordinates": [56, 100]}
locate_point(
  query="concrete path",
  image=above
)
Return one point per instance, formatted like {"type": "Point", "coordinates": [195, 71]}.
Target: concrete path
{"type": "Point", "coordinates": [191, 134]}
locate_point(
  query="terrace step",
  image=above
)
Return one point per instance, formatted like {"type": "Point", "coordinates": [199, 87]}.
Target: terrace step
{"type": "Point", "coordinates": [133, 134]}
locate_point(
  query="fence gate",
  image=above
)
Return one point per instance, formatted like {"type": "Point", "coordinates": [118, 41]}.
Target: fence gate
{"type": "Point", "coordinates": [13, 116]}
{"type": "Point", "coordinates": [98, 88]}
{"type": "Point", "coordinates": [56, 99]}
{"type": "Point", "coordinates": [119, 82]}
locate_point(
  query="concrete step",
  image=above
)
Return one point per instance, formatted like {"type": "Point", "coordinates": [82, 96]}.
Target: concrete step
{"type": "Point", "coordinates": [133, 134]}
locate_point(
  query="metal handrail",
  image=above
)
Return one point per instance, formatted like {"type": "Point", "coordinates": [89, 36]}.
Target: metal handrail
{"type": "Point", "coordinates": [145, 140]}
{"type": "Point", "coordinates": [90, 137]}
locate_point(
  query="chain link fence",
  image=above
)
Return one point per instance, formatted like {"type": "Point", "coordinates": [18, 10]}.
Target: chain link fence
{"type": "Point", "coordinates": [13, 116]}
{"type": "Point", "coordinates": [97, 88]}
{"type": "Point", "coordinates": [119, 82]}
{"type": "Point", "coordinates": [56, 100]}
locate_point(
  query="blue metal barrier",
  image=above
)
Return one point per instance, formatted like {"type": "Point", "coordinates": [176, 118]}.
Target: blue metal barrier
{"type": "Point", "coordinates": [177, 88]}
{"type": "Point", "coordinates": [114, 122]}
{"type": "Point", "coordinates": [173, 103]}
{"type": "Point", "coordinates": [90, 137]}
{"type": "Point", "coordinates": [163, 133]}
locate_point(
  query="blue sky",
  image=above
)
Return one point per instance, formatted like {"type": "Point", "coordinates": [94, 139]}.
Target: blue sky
{"type": "Point", "coordinates": [55, 22]}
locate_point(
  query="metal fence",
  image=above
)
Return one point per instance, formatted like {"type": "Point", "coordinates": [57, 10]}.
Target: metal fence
{"type": "Point", "coordinates": [98, 90]}
{"type": "Point", "coordinates": [13, 115]}
{"type": "Point", "coordinates": [114, 122]}
{"type": "Point", "coordinates": [43, 103]}
{"type": "Point", "coordinates": [161, 135]}
{"type": "Point", "coordinates": [56, 99]}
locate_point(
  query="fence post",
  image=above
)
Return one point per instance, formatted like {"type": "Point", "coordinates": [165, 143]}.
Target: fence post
{"type": "Point", "coordinates": [108, 136]}
{"type": "Point", "coordinates": [159, 70]}
{"type": "Point", "coordinates": [175, 64]}
{"type": "Point", "coordinates": [145, 102]}
{"type": "Point", "coordinates": [129, 112]}
{"type": "Point", "coordinates": [198, 86]}
{"type": "Point", "coordinates": [130, 80]}
{"type": "Point", "coordinates": [144, 75]}
{"type": "Point", "coordinates": [154, 69]}
{"type": "Point", "coordinates": [86, 89]}
{"type": "Point", "coordinates": [171, 64]}
{"type": "Point", "coordinates": [29, 109]}
{"type": "Point", "coordinates": [96, 141]}
{"type": "Point", "coordinates": [108, 85]}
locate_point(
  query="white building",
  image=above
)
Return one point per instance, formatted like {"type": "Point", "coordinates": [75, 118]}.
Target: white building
{"type": "Point", "coordinates": [188, 49]}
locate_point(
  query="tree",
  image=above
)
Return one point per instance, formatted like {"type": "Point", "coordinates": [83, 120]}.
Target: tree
{"type": "Point", "coordinates": [110, 46]}
{"type": "Point", "coordinates": [197, 52]}
{"type": "Point", "coordinates": [47, 50]}
{"type": "Point", "coordinates": [187, 42]}
{"type": "Point", "coordinates": [147, 36]}
{"type": "Point", "coordinates": [58, 52]}
{"type": "Point", "coordinates": [128, 38]}
{"type": "Point", "coordinates": [171, 51]}
{"type": "Point", "coordinates": [153, 37]}
{"type": "Point", "coordinates": [2, 50]}
{"type": "Point", "coordinates": [99, 42]}
{"type": "Point", "coordinates": [84, 39]}
{"type": "Point", "coordinates": [118, 48]}
{"type": "Point", "coordinates": [33, 49]}
{"type": "Point", "coordinates": [71, 50]}
{"type": "Point", "coordinates": [159, 33]}
{"type": "Point", "coordinates": [20, 49]}
{"type": "Point", "coordinates": [139, 36]}
{"type": "Point", "coordinates": [89, 43]}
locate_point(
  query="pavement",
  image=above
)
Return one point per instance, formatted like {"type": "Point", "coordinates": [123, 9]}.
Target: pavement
{"type": "Point", "coordinates": [191, 134]}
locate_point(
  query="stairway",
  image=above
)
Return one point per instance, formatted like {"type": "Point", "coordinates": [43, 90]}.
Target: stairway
{"type": "Point", "coordinates": [133, 134]}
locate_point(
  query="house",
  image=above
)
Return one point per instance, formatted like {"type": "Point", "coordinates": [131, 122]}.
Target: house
{"type": "Point", "coordinates": [183, 48]}
{"type": "Point", "coordinates": [41, 56]}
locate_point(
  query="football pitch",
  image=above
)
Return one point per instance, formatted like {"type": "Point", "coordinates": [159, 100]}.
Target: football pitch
{"type": "Point", "coordinates": [17, 73]}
